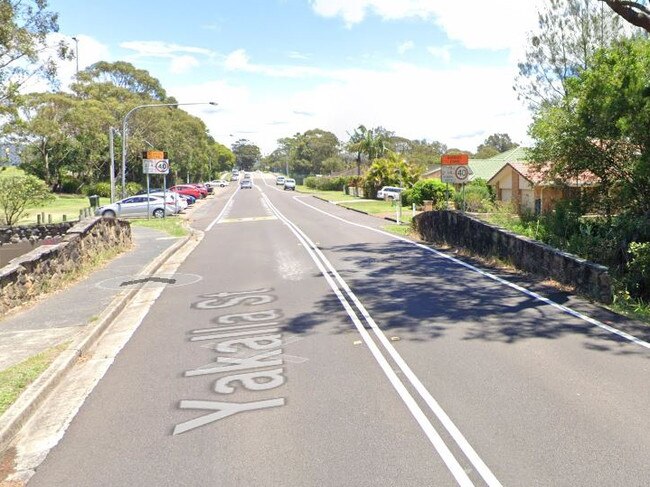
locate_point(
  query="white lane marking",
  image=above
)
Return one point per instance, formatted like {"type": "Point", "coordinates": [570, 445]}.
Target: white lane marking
{"type": "Point", "coordinates": [247, 219]}
{"type": "Point", "coordinates": [449, 425]}
{"type": "Point", "coordinates": [528, 292]}
{"type": "Point", "coordinates": [438, 443]}
{"type": "Point", "coordinates": [223, 211]}
{"type": "Point", "coordinates": [269, 186]}
{"type": "Point", "coordinates": [267, 210]}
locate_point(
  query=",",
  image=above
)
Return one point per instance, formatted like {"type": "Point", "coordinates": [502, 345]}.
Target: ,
{"type": "Point", "coordinates": [279, 180]}
{"type": "Point", "coordinates": [246, 184]}
{"type": "Point", "coordinates": [289, 184]}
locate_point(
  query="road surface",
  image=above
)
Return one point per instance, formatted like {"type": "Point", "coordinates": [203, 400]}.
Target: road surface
{"type": "Point", "coordinates": [310, 349]}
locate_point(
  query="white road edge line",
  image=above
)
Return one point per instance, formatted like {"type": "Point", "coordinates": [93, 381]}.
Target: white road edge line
{"type": "Point", "coordinates": [438, 443]}
{"type": "Point", "coordinates": [528, 292]}
{"type": "Point", "coordinates": [223, 211]}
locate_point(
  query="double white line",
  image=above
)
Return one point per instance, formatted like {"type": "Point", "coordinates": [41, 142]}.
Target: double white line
{"type": "Point", "coordinates": [339, 286]}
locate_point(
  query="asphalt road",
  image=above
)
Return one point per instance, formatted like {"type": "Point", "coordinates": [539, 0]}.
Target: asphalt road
{"type": "Point", "coordinates": [315, 350]}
